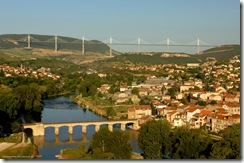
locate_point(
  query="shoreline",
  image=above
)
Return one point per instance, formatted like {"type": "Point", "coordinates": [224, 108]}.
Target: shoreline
{"type": "Point", "coordinates": [19, 150]}
{"type": "Point", "coordinates": [87, 105]}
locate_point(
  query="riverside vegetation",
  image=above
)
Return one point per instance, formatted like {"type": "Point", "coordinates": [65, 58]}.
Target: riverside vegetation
{"type": "Point", "coordinates": [21, 100]}
{"type": "Point", "coordinates": [159, 141]}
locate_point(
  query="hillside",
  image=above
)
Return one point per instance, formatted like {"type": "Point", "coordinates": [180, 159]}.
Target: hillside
{"type": "Point", "coordinates": [223, 52]}
{"type": "Point", "coordinates": [157, 58]}
{"type": "Point", "coordinates": [48, 42]}
{"type": "Point", "coordinates": [70, 49]}
{"type": "Point", "coordinates": [42, 46]}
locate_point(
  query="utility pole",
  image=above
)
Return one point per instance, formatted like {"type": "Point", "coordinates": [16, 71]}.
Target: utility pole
{"type": "Point", "coordinates": [139, 43]}
{"type": "Point", "coordinates": [29, 46]}
{"type": "Point", "coordinates": [110, 46]}
{"type": "Point", "coordinates": [83, 45]}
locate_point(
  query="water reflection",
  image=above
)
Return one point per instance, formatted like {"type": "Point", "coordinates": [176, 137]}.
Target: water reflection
{"type": "Point", "coordinates": [62, 109]}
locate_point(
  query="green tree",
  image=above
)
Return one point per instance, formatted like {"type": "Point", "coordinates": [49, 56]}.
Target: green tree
{"type": "Point", "coordinates": [201, 103]}
{"type": "Point", "coordinates": [110, 111]}
{"type": "Point", "coordinates": [16, 127]}
{"type": "Point", "coordinates": [135, 91]}
{"type": "Point", "coordinates": [221, 150]}
{"type": "Point", "coordinates": [97, 153]}
{"type": "Point", "coordinates": [172, 92]}
{"type": "Point", "coordinates": [154, 110]}
{"type": "Point", "coordinates": [184, 101]}
{"type": "Point", "coordinates": [163, 89]}
{"type": "Point", "coordinates": [232, 135]}
{"type": "Point", "coordinates": [213, 102]}
{"type": "Point", "coordinates": [153, 138]}
{"type": "Point", "coordinates": [189, 143]}
{"type": "Point", "coordinates": [109, 144]}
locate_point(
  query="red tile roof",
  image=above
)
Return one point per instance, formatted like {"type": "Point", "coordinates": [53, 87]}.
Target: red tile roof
{"type": "Point", "coordinates": [173, 112]}
{"type": "Point", "coordinates": [191, 109]}
{"type": "Point", "coordinates": [232, 104]}
{"type": "Point", "coordinates": [204, 113]}
{"type": "Point", "coordinates": [160, 109]}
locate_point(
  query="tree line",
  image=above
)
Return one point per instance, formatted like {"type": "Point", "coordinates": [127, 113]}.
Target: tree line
{"type": "Point", "coordinates": [159, 141]}
{"type": "Point", "coordinates": [16, 103]}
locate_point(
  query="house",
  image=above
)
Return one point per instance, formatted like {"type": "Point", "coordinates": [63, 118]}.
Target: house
{"type": "Point", "coordinates": [190, 112]}
{"type": "Point", "coordinates": [179, 95]}
{"type": "Point", "coordinates": [139, 111]}
{"type": "Point", "coordinates": [123, 88]}
{"type": "Point", "coordinates": [144, 91]}
{"type": "Point", "coordinates": [206, 95]}
{"type": "Point", "coordinates": [121, 97]}
{"type": "Point", "coordinates": [232, 107]}
{"type": "Point", "coordinates": [165, 97]}
{"type": "Point", "coordinates": [185, 87]}
{"type": "Point", "coordinates": [160, 111]}
{"type": "Point", "coordinates": [231, 98]}
{"type": "Point", "coordinates": [104, 88]}
{"type": "Point", "coordinates": [221, 111]}
{"type": "Point", "coordinates": [219, 89]}
{"type": "Point", "coordinates": [195, 93]}
{"type": "Point", "coordinates": [198, 83]}
{"type": "Point", "coordinates": [192, 65]}
{"type": "Point", "coordinates": [157, 104]}
{"type": "Point", "coordinates": [215, 97]}
{"type": "Point", "coordinates": [189, 83]}
{"type": "Point", "coordinates": [171, 115]}
{"type": "Point", "coordinates": [182, 108]}
{"type": "Point", "coordinates": [179, 120]}
{"type": "Point", "coordinates": [202, 118]}
{"type": "Point", "coordinates": [155, 93]}
{"type": "Point", "coordinates": [220, 122]}
{"type": "Point", "coordinates": [168, 109]}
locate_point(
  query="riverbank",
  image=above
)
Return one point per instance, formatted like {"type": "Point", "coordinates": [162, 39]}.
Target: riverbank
{"type": "Point", "coordinates": [18, 146]}
{"type": "Point", "coordinates": [85, 103]}
{"type": "Point", "coordinates": [100, 106]}
{"type": "Point", "coordinates": [75, 154]}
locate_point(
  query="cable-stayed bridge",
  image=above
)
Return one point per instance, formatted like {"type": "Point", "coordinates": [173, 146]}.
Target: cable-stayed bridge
{"type": "Point", "coordinates": [55, 40]}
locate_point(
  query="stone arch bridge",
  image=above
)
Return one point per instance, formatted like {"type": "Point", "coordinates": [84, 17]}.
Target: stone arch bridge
{"type": "Point", "coordinates": [38, 129]}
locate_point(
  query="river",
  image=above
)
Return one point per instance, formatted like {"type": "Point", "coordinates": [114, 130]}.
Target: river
{"type": "Point", "coordinates": [62, 109]}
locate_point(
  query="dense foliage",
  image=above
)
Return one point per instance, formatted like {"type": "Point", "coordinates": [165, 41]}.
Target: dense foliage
{"type": "Point", "coordinates": [19, 101]}
{"type": "Point", "coordinates": [157, 140]}
{"type": "Point", "coordinates": [107, 144]}
{"type": "Point", "coordinates": [153, 138]}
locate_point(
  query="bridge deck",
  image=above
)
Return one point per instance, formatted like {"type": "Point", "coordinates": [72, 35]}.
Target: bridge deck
{"type": "Point", "coordinates": [70, 122]}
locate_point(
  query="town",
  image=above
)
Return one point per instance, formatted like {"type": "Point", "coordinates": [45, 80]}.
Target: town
{"type": "Point", "coordinates": [213, 103]}
{"type": "Point", "coordinates": [208, 97]}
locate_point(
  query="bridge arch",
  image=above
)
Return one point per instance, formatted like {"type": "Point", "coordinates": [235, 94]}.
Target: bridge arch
{"type": "Point", "coordinates": [38, 128]}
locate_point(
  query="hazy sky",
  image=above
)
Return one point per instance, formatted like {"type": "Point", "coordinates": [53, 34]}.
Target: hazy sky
{"type": "Point", "coordinates": [183, 21]}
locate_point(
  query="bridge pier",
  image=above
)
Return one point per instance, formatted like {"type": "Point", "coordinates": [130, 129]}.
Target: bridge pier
{"type": "Point", "coordinates": [39, 128]}
{"type": "Point", "coordinates": [110, 127]}
{"type": "Point", "coordinates": [97, 127]}
{"type": "Point", "coordinates": [136, 126]}
{"type": "Point", "coordinates": [84, 129]}
{"type": "Point", "coordinates": [70, 139]}
{"type": "Point", "coordinates": [71, 130]}
{"type": "Point", "coordinates": [123, 126]}
{"type": "Point", "coordinates": [56, 130]}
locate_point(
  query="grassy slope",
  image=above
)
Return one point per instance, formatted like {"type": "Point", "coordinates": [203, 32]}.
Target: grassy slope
{"type": "Point", "coordinates": [63, 43]}
{"type": "Point", "coordinates": [223, 52]}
